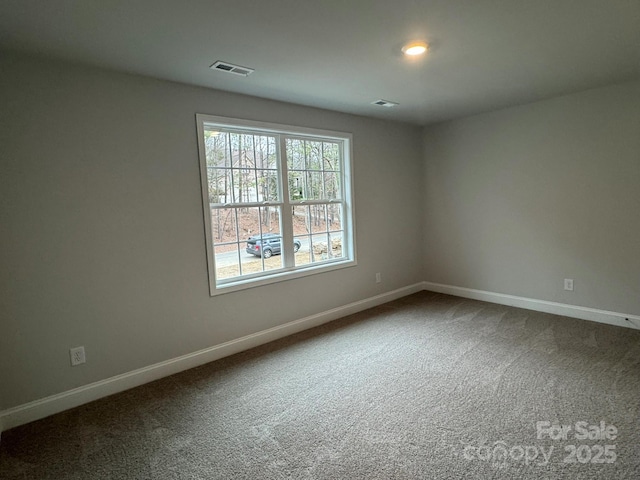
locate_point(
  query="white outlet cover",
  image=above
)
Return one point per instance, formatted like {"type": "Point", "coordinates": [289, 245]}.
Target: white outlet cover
{"type": "Point", "coordinates": [77, 356]}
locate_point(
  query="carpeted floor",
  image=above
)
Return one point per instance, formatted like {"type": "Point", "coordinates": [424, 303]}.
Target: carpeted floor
{"type": "Point", "coordinates": [429, 386]}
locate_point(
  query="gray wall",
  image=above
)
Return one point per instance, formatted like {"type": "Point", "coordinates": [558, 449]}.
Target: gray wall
{"type": "Point", "coordinates": [102, 239]}
{"type": "Point", "coordinates": [519, 199]}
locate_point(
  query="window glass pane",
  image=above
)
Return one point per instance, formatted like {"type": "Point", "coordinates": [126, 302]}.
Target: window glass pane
{"type": "Point", "coordinates": [295, 154]}
{"type": "Point", "coordinates": [214, 184]}
{"type": "Point", "coordinates": [267, 185]}
{"type": "Point", "coordinates": [303, 255]}
{"type": "Point", "coordinates": [241, 167]}
{"type": "Point", "coordinates": [249, 222]}
{"type": "Point", "coordinates": [318, 218]}
{"type": "Point", "coordinates": [310, 219]}
{"type": "Point", "coordinates": [266, 152]}
{"type": "Point", "coordinates": [217, 149]}
{"type": "Point", "coordinates": [246, 152]}
{"type": "Point", "coordinates": [312, 186]}
{"type": "Point", "coordinates": [227, 261]}
{"type": "Point", "coordinates": [239, 144]}
{"type": "Point", "coordinates": [313, 169]}
{"type": "Point", "coordinates": [331, 182]}
{"type": "Point", "coordinates": [313, 151]}
{"type": "Point", "coordinates": [299, 219]}
{"type": "Point", "coordinates": [273, 263]}
{"type": "Point", "coordinates": [334, 216]}
{"type": "Point", "coordinates": [270, 217]}
{"type": "Point", "coordinates": [219, 182]}
{"type": "Point", "coordinates": [336, 239]}
{"type": "Point", "coordinates": [224, 225]}
{"type": "Point", "coordinates": [252, 264]}
{"type": "Point", "coordinates": [242, 186]}
{"type": "Point", "coordinates": [259, 242]}
{"type": "Point", "coordinates": [296, 184]}
{"type": "Point", "coordinates": [331, 156]}
{"type": "Point", "coordinates": [319, 249]}
{"type": "Point", "coordinates": [301, 230]}
{"type": "Point", "coordinates": [318, 231]}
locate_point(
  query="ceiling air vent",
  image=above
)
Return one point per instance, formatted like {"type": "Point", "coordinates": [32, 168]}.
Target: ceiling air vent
{"type": "Point", "coordinates": [384, 103]}
{"type": "Point", "coordinates": [231, 68]}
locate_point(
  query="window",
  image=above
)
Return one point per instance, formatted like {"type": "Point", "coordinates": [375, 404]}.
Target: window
{"type": "Point", "coordinates": [277, 201]}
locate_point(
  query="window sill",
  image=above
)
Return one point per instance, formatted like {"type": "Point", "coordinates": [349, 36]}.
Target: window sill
{"type": "Point", "coordinates": [278, 277]}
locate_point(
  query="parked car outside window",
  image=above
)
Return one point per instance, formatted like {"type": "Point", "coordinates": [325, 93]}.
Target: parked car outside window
{"type": "Point", "coordinates": [267, 245]}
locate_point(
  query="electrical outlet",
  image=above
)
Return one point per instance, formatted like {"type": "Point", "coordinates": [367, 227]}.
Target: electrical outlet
{"type": "Point", "coordinates": [568, 284]}
{"type": "Point", "coordinates": [77, 356]}
{"type": "Point", "coordinates": [378, 277]}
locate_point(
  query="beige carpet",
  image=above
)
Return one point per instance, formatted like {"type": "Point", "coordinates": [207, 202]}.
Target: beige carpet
{"type": "Point", "coordinates": [429, 386]}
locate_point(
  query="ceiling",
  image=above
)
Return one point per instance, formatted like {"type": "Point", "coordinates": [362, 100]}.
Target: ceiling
{"type": "Point", "coordinates": [344, 54]}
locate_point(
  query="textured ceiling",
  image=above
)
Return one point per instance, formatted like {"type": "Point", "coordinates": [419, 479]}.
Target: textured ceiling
{"type": "Point", "coordinates": [342, 55]}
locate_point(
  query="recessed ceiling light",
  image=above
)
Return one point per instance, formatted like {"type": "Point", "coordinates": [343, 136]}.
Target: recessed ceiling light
{"type": "Point", "coordinates": [415, 48]}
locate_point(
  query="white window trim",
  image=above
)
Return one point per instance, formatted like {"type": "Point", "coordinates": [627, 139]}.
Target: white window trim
{"type": "Point", "coordinates": [286, 273]}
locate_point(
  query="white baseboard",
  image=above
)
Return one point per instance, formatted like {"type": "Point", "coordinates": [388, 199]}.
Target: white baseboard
{"type": "Point", "coordinates": [44, 407]}
{"type": "Point", "coordinates": [584, 313]}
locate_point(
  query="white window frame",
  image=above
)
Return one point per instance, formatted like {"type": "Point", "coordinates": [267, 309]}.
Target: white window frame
{"type": "Point", "coordinates": [289, 271]}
